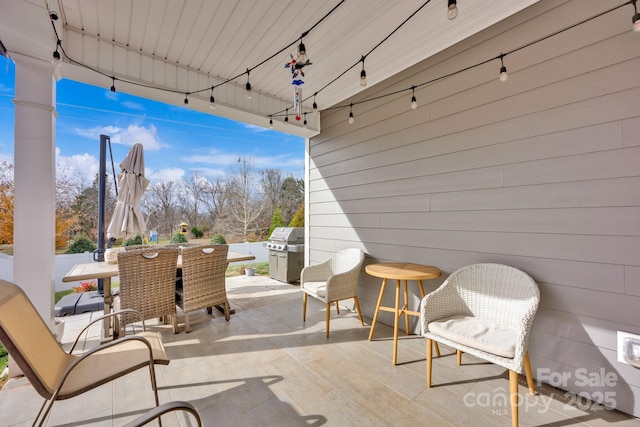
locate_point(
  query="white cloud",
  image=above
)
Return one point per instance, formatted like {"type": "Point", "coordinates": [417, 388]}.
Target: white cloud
{"type": "Point", "coordinates": [79, 167]}
{"type": "Point", "coordinates": [216, 157]}
{"type": "Point", "coordinates": [255, 128]}
{"type": "Point", "coordinates": [147, 136]}
{"type": "Point", "coordinates": [164, 175]}
{"type": "Point", "coordinates": [133, 105]}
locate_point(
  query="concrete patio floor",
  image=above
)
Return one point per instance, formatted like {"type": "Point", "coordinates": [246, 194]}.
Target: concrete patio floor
{"type": "Point", "coordinates": [265, 367]}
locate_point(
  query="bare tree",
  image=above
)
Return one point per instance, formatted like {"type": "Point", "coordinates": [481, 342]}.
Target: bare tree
{"type": "Point", "coordinates": [290, 197]}
{"type": "Point", "coordinates": [190, 198]}
{"type": "Point", "coordinates": [245, 203]}
{"type": "Point", "coordinates": [214, 196]}
{"type": "Point", "coordinates": [159, 203]}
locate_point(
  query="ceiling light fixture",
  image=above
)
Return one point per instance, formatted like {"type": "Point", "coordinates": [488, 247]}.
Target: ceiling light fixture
{"type": "Point", "coordinates": [503, 70]}
{"type": "Point", "coordinates": [414, 102]}
{"type": "Point", "coordinates": [363, 75]}
{"type": "Point", "coordinates": [452, 9]}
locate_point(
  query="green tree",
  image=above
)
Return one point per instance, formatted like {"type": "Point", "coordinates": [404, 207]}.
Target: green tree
{"type": "Point", "coordinates": [276, 221]}
{"type": "Point", "coordinates": [298, 218]}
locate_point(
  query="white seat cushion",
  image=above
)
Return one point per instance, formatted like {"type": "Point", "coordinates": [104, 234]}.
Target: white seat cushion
{"type": "Point", "coordinates": [473, 332]}
{"type": "Point", "coordinates": [316, 288]}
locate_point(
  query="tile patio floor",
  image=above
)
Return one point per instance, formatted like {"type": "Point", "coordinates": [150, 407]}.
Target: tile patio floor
{"type": "Point", "coordinates": [265, 367]}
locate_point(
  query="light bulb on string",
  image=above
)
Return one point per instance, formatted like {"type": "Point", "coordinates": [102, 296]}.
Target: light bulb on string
{"type": "Point", "coordinates": [286, 117]}
{"type": "Point", "coordinates": [351, 118]}
{"type": "Point", "coordinates": [56, 53]}
{"type": "Point", "coordinates": [247, 87]}
{"type": "Point", "coordinates": [302, 52]}
{"type": "Point", "coordinates": [113, 84]}
{"type": "Point", "coordinates": [305, 121]}
{"type": "Point", "coordinates": [212, 100]}
{"type": "Point", "coordinates": [414, 101]}
{"type": "Point", "coordinates": [315, 106]}
{"type": "Point", "coordinates": [452, 9]}
{"type": "Point", "coordinates": [363, 75]}
{"type": "Point", "coordinates": [503, 70]}
{"type": "Point", "coordinates": [186, 99]}
{"type": "Point", "coordinates": [636, 18]}
{"type": "Point", "coordinates": [270, 122]}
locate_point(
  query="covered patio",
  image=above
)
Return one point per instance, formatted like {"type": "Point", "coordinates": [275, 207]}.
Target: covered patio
{"type": "Point", "coordinates": [266, 367]}
{"type": "Point", "coordinates": [540, 172]}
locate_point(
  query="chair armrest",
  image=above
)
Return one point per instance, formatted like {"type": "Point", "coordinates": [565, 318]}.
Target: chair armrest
{"type": "Point", "coordinates": [105, 316]}
{"type": "Point", "coordinates": [315, 273]}
{"type": "Point", "coordinates": [343, 285]}
{"type": "Point", "coordinates": [163, 409]}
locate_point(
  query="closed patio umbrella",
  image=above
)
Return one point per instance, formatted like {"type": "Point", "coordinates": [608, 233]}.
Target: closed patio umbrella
{"type": "Point", "coordinates": [127, 220]}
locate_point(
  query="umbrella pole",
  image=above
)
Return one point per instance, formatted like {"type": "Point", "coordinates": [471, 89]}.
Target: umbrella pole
{"type": "Point", "coordinates": [102, 177]}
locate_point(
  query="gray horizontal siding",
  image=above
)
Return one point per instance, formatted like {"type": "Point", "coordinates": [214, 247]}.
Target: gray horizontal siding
{"type": "Point", "coordinates": [541, 172]}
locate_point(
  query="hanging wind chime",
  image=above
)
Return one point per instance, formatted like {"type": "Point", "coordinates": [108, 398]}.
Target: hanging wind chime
{"type": "Point", "coordinates": [297, 77]}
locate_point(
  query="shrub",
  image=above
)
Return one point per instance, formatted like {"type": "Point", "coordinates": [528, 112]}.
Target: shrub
{"type": "Point", "coordinates": [179, 238]}
{"type": "Point", "coordinates": [218, 239]}
{"type": "Point", "coordinates": [133, 241]}
{"type": "Point", "coordinates": [197, 233]}
{"type": "Point", "coordinates": [81, 244]}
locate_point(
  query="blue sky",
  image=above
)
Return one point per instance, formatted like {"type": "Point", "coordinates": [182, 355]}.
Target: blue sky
{"type": "Point", "coordinates": [177, 141]}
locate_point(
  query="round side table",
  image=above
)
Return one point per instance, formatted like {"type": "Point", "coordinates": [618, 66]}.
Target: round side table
{"type": "Point", "coordinates": [401, 272]}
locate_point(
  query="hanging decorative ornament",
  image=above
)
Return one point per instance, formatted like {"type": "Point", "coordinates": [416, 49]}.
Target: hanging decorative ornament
{"type": "Point", "coordinates": [296, 66]}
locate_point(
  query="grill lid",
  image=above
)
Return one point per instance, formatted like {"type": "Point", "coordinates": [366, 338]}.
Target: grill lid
{"type": "Point", "coordinates": [293, 235]}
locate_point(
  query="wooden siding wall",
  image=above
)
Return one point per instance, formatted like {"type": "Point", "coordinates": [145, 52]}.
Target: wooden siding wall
{"type": "Point", "coordinates": [541, 172]}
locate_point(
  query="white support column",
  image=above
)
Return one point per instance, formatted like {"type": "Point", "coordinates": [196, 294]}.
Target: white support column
{"type": "Point", "coordinates": [35, 185]}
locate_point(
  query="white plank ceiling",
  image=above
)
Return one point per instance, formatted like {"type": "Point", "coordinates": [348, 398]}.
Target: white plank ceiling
{"type": "Point", "coordinates": [185, 46]}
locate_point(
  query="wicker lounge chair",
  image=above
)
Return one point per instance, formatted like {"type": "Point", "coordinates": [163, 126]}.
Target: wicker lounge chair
{"type": "Point", "coordinates": [203, 280]}
{"type": "Point", "coordinates": [485, 310]}
{"type": "Point", "coordinates": [57, 375]}
{"type": "Point", "coordinates": [333, 280]}
{"type": "Point", "coordinates": [147, 283]}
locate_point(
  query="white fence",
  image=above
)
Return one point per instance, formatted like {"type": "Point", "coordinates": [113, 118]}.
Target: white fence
{"type": "Point", "coordinates": [64, 263]}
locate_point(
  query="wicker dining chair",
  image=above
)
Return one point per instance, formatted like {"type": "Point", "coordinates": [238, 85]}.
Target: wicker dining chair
{"type": "Point", "coordinates": [203, 280]}
{"type": "Point", "coordinates": [147, 283]}
{"type": "Point", "coordinates": [333, 280]}
{"type": "Point", "coordinates": [485, 310]}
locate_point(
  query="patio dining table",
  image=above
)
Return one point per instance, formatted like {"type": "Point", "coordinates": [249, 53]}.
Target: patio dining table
{"type": "Point", "coordinates": [104, 270]}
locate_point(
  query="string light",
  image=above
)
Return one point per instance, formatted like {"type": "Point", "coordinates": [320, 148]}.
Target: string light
{"type": "Point", "coordinates": [286, 118]}
{"type": "Point", "coordinates": [636, 18]}
{"type": "Point", "coordinates": [503, 70]}
{"type": "Point", "coordinates": [351, 118]}
{"type": "Point", "coordinates": [315, 106]}
{"type": "Point", "coordinates": [302, 52]}
{"type": "Point", "coordinates": [414, 102]}
{"type": "Point", "coordinates": [363, 75]}
{"type": "Point", "coordinates": [305, 121]}
{"type": "Point", "coordinates": [271, 122]}
{"type": "Point", "coordinates": [452, 10]}
{"type": "Point", "coordinates": [113, 84]}
{"type": "Point", "coordinates": [56, 54]}
{"type": "Point", "coordinates": [212, 100]}
{"type": "Point", "coordinates": [186, 99]}
{"type": "Point", "coordinates": [247, 87]}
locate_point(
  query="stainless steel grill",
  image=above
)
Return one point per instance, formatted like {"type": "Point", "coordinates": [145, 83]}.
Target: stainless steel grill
{"type": "Point", "coordinates": [286, 253]}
